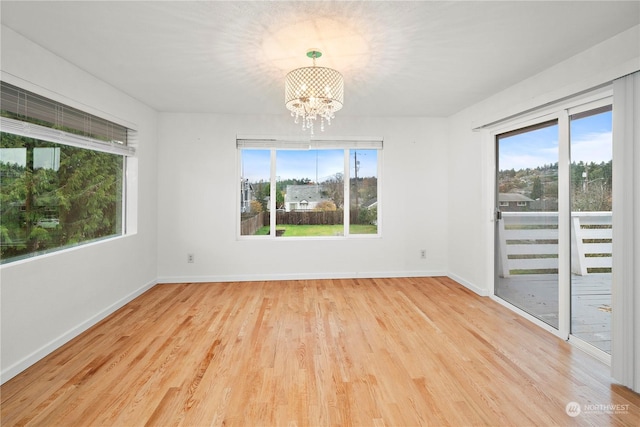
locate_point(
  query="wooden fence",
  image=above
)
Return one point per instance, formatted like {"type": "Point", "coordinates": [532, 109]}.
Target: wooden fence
{"type": "Point", "coordinates": [528, 242]}
{"type": "Point", "coordinates": [310, 217]}
{"type": "Point", "coordinates": [249, 226]}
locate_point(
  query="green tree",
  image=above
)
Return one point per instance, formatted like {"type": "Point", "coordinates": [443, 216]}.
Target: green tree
{"type": "Point", "coordinates": [537, 190]}
{"type": "Point", "coordinates": [368, 216]}
{"type": "Point", "coordinates": [279, 199]}
{"type": "Point", "coordinates": [333, 188]}
{"type": "Point", "coordinates": [89, 193]}
{"type": "Point", "coordinates": [262, 191]}
{"type": "Point", "coordinates": [83, 194]}
{"type": "Point", "coordinates": [591, 186]}
{"type": "Point", "coordinates": [368, 189]}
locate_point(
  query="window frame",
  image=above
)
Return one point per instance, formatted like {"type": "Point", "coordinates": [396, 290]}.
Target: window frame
{"type": "Point", "coordinates": [28, 129]}
{"type": "Point", "coordinates": [275, 144]}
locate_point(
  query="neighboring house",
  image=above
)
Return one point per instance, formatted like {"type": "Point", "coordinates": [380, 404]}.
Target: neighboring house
{"type": "Point", "coordinates": [246, 195]}
{"type": "Point", "coordinates": [514, 202]}
{"type": "Point", "coordinates": [544, 205]}
{"type": "Point", "coordinates": [304, 197]}
{"type": "Point", "coordinates": [370, 204]}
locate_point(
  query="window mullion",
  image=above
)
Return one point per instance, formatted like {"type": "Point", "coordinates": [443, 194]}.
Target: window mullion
{"type": "Point", "coordinates": [564, 219]}
{"type": "Point", "coordinates": [272, 195]}
{"type": "Point", "coordinates": [346, 203]}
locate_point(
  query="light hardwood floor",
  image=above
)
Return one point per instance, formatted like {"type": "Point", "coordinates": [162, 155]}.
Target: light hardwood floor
{"type": "Point", "coordinates": [369, 352]}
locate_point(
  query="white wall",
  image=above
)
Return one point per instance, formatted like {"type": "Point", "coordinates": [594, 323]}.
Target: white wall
{"type": "Point", "coordinates": [471, 154]}
{"type": "Point", "coordinates": [48, 300]}
{"type": "Point", "coordinates": [197, 203]}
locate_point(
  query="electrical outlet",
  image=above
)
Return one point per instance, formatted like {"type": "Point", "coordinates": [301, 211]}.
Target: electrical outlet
{"type": "Point", "coordinates": [423, 254]}
{"type": "Point", "coordinates": [190, 258]}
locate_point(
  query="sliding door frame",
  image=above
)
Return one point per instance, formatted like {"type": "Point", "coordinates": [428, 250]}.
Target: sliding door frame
{"type": "Point", "coordinates": [561, 112]}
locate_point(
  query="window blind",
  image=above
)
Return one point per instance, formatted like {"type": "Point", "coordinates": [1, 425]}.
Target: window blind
{"type": "Point", "coordinates": [25, 106]}
{"type": "Point", "coordinates": [31, 130]}
{"type": "Point", "coordinates": [374, 143]}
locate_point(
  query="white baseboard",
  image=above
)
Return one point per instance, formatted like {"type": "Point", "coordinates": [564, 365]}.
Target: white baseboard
{"type": "Point", "coordinates": [478, 290]}
{"type": "Point", "coordinates": [32, 358]}
{"type": "Point", "coordinates": [297, 276]}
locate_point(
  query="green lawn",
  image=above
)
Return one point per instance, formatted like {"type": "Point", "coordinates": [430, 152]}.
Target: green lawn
{"type": "Point", "coordinates": [318, 230]}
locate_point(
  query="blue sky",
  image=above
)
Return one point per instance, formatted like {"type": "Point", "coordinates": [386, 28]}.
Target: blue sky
{"type": "Point", "coordinates": [302, 164]}
{"type": "Point", "coordinates": [590, 142]}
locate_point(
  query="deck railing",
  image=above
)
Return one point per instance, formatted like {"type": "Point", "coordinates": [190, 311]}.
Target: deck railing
{"type": "Point", "coordinates": [528, 243]}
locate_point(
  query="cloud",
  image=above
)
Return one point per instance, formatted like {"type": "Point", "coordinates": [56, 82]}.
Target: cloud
{"type": "Point", "coordinates": [592, 147]}
{"type": "Point", "coordinates": [526, 161]}
{"type": "Point", "coordinates": [531, 153]}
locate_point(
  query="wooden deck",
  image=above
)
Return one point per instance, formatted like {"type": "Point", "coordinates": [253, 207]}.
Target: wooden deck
{"type": "Point", "coordinates": [343, 352]}
{"type": "Point", "coordinates": [537, 294]}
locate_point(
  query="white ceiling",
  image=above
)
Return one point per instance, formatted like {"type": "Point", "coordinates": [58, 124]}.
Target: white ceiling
{"type": "Point", "coordinates": [425, 58]}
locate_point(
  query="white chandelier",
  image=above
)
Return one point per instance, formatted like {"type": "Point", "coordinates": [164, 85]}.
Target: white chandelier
{"type": "Point", "coordinates": [312, 92]}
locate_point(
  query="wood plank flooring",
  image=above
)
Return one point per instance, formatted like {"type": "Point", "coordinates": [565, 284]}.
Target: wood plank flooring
{"type": "Point", "coordinates": [366, 352]}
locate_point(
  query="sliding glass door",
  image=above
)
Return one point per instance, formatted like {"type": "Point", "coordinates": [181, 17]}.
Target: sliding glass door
{"type": "Point", "coordinates": [591, 219]}
{"type": "Point", "coordinates": [553, 233]}
{"type": "Point", "coordinates": [527, 220]}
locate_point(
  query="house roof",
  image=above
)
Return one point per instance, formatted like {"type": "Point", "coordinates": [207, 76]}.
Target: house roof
{"type": "Point", "coordinates": [310, 193]}
{"type": "Point", "coordinates": [231, 57]}
{"type": "Point", "coordinates": [513, 197]}
{"type": "Point", "coordinates": [370, 203]}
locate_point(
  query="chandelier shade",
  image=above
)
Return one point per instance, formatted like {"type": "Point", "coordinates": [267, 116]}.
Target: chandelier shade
{"type": "Point", "coordinates": [314, 92]}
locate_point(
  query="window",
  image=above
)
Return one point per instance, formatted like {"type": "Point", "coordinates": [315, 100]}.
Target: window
{"type": "Point", "coordinates": [328, 190]}
{"type": "Point", "coordinates": [521, 204]}
{"type": "Point", "coordinates": [61, 176]}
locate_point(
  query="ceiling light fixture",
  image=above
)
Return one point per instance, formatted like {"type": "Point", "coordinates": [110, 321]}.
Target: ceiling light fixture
{"type": "Point", "coordinates": [310, 92]}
